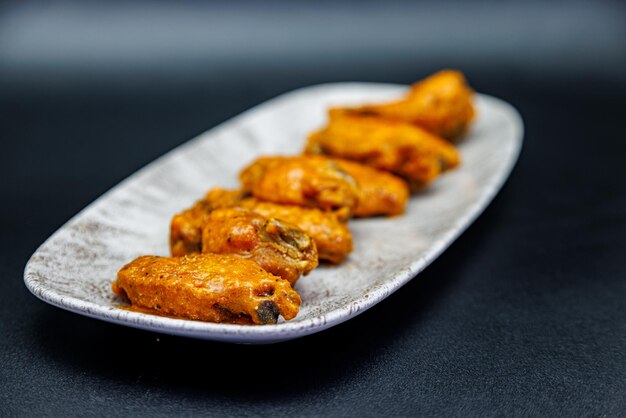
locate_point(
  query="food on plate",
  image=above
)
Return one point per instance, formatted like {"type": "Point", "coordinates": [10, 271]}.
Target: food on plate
{"type": "Point", "coordinates": [207, 287]}
{"type": "Point", "coordinates": [441, 104]}
{"type": "Point", "coordinates": [401, 148]}
{"type": "Point", "coordinates": [328, 229]}
{"type": "Point", "coordinates": [302, 180]}
{"type": "Point", "coordinates": [382, 193]}
{"type": "Point", "coordinates": [277, 246]}
{"type": "Point", "coordinates": [237, 253]}
{"type": "Point", "coordinates": [186, 227]}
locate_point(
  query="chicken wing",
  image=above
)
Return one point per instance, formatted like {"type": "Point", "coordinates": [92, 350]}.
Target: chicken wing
{"type": "Point", "coordinates": [382, 193]}
{"type": "Point", "coordinates": [301, 180]}
{"type": "Point", "coordinates": [186, 227]}
{"type": "Point", "coordinates": [441, 104]}
{"type": "Point", "coordinates": [277, 246]}
{"type": "Point", "coordinates": [328, 229]}
{"type": "Point", "coordinates": [207, 287]}
{"type": "Point", "coordinates": [401, 148]}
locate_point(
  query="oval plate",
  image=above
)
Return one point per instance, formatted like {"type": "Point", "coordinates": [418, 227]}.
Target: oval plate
{"type": "Point", "coordinates": [74, 268]}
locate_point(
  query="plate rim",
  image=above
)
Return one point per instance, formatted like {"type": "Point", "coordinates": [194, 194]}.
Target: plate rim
{"type": "Point", "coordinates": [285, 330]}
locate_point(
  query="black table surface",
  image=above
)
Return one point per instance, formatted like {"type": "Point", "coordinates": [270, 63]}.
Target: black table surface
{"type": "Point", "coordinates": [523, 315]}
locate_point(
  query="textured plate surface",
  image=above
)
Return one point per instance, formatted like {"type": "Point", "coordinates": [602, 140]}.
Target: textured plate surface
{"type": "Point", "coordinates": [74, 268]}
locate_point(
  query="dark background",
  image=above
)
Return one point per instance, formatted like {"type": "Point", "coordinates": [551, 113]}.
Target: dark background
{"type": "Point", "coordinates": [523, 315]}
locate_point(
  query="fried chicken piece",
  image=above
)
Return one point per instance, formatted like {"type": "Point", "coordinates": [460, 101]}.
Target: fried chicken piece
{"type": "Point", "coordinates": [441, 104]}
{"type": "Point", "coordinates": [277, 246]}
{"type": "Point", "coordinates": [186, 227]}
{"type": "Point", "coordinates": [382, 193]}
{"type": "Point", "coordinates": [207, 287]}
{"type": "Point", "coordinates": [401, 148]}
{"type": "Point", "coordinates": [328, 229]}
{"type": "Point", "coordinates": [301, 180]}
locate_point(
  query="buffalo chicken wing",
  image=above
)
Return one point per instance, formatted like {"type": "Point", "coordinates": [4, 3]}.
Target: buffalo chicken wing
{"type": "Point", "coordinates": [207, 287]}
{"type": "Point", "coordinates": [401, 148]}
{"type": "Point", "coordinates": [186, 227]}
{"type": "Point", "coordinates": [277, 246]}
{"type": "Point", "coordinates": [328, 229]}
{"type": "Point", "coordinates": [310, 181]}
{"type": "Point", "coordinates": [382, 193]}
{"type": "Point", "coordinates": [441, 104]}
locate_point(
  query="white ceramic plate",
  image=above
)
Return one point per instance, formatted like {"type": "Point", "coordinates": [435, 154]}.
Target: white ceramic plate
{"type": "Point", "coordinates": [74, 268]}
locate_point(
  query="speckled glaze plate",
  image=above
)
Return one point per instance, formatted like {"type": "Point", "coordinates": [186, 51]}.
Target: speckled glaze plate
{"type": "Point", "coordinates": [74, 268]}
